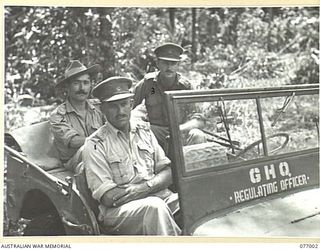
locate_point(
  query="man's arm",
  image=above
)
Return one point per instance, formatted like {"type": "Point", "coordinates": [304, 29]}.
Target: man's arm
{"type": "Point", "coordinates": [98, 171]}
{"type": "Point", "coordinates": [108, 199]}
{"type": "Point", "coordinates": [63, 131]}
{"type": "Point", "coordinates": [77, 141]}
{"type": "Point", "coordinates": [191, 124]}
{"type": "Point", "coordinates": [129, 192]}
{"type": "Point", "coordinates": [190, 114]}
{"type": "Point", "coordinates": [138, 91]}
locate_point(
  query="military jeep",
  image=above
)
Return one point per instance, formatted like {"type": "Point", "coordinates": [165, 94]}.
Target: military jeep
{"type": "Point", "coordinates": [41, 190]}
{"type": "Point", "coordinates": [257, 174]}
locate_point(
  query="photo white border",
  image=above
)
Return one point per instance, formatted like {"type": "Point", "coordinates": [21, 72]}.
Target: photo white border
{"type": "Point", "coordinates": [137, 240]}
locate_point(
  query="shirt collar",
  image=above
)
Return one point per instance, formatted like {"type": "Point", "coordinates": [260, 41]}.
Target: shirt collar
{"type": "Point", "coordinates": [70, 108]}
{"type": "Point", "coordinates": [111, 129]}
{"type": "Point", "coordinates": [115, 131]}
{"type": "Point", "coordinates": [177, 82]}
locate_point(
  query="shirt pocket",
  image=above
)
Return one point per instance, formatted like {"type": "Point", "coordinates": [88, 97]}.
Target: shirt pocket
{"type": "Point", "coordinates": [153, 100]}
{"type": "Point", "coordinates": [120, 172]}
{"type": "Point", "coordinates": [146, 153]}
{"type": "Point", "coordinates": [155, 108]}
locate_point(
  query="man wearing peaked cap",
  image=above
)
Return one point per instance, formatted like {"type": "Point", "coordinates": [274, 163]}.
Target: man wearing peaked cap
{"type": "Point", "coordinates": [169, 52]}
{"type": "Point", "coordinates": [112, 89]}
{"type": "Point", "coordinates": [76, 118]}
{"type": "Point", "coordinates": [126, 169]}
{"type": "Point", "coordinates": [151, 90]}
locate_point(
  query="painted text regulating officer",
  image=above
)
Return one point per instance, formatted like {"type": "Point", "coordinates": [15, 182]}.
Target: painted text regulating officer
{"type": "Point", "coordinates": [152, 88]}
{"type": "Point", "coordinates": [77, 117]}
{"type": "Point", "coordinates": [126, 169]}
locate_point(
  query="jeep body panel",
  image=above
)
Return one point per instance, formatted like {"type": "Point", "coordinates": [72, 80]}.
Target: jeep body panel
{"type": "Point", "coordinates": [295, 215]}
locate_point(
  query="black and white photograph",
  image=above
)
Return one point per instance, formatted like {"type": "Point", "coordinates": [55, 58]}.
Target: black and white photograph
{"type": "Point", "coordinates": [161, 121]}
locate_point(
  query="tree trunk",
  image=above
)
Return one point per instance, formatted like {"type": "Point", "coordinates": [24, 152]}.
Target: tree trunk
{"type": "Point", "coordinates": [106, 47]}
{"type": "Point", "coordinates": [172, 19]}
{"type": "Point", "coordinates": [194, 34]}
{"type": "Point", "coordinates": [270, 19]}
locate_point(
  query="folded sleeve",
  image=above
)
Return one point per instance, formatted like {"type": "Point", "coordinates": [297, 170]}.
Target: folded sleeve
{"type": "Point", "coordinates": [61, 129]}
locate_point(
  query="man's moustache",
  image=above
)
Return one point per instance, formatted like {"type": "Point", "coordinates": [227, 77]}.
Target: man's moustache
{"type": "Point", "coordinates": [121, 116]}
{"type": "Point", "coordinates": [81, 92]}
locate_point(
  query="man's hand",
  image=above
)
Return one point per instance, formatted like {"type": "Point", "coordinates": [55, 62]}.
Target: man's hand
{"type": "Point", "coordinates": [132, 192]}
{"type": "Point", "coordinates": [108, 197]}
{"type": "Point", "coordinates": [125, 193]}
{"type": "Point", "coordinates": [129, 192]}
{"type": "Point", "coordinates": [193, 123]}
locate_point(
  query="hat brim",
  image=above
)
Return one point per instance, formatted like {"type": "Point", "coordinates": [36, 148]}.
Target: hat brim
{"type": "Point", "coordinates": [93, 69]}
{"type": "Point", "coordinates": [170, 59]}
{"type": "Point", "coordinates": [118, 97]}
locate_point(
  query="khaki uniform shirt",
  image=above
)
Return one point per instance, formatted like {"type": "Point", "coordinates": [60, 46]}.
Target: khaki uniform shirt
{"type": "Point", "coordinates": [66, 123]}
{"type": "Point", "coordinates": [152, 91]}
{"type": "Point", "coordinates": [111, 159]}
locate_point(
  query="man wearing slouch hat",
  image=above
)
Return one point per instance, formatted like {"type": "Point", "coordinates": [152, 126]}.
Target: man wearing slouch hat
{"type": "Point", "coordinates": [76, 118]}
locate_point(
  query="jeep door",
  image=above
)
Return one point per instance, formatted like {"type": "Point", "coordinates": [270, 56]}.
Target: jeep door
{"type": "Point", "coordinates": [261, 144]}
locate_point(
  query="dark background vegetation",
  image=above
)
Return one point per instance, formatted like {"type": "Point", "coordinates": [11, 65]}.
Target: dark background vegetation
{"type": "Point", "coordinates": [225, 47]}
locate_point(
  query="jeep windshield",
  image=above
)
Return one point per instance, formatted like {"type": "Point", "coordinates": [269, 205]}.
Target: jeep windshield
{"type": "Point", "coordinates": [262, 144]}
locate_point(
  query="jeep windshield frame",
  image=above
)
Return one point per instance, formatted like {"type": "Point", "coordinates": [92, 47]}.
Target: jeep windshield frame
{"type": "Point", "coordinates": [210, 192]}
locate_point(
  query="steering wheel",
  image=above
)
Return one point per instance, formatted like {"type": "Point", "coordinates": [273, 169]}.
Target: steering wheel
{"type": "Point", "coordinates": [256, 143]}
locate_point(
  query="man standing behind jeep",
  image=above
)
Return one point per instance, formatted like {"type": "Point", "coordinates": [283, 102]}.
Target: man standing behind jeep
{"type": "Point", "coordinates": [151, 89]}
{"type": "Point", "coordinates": [77, 117]}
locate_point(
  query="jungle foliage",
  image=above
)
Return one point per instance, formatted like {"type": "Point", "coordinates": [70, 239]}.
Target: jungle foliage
{"type": "Point", "coordinates": [225, 47]}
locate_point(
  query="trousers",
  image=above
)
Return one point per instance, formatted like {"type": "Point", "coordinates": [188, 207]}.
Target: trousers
{"type": "Point", "coordinates": [148, 216]}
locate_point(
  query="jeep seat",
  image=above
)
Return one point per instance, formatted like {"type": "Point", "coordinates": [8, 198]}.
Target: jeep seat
{"type": "Point", "coordinates": [36, 143]}
{"type": "Point", "coordinates": [204, 155]}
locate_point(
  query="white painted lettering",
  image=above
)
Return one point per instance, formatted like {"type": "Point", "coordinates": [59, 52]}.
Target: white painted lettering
{"type": "Point", "coordinates": [255, 176]}
{"type": "Point", "coordinates": [293, 182]}
{"type": "Point", "coordinates": [270, 172]}
{"type": "Point", "coordinates": [284, 169]}
{"type": "Point", "coordinates": [255, 192]}
{"type": "Point", "coordinates": [236, 197]}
